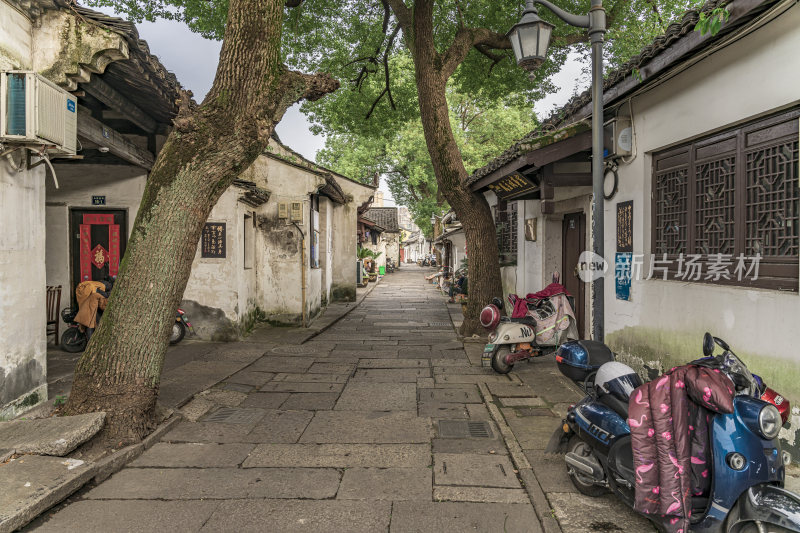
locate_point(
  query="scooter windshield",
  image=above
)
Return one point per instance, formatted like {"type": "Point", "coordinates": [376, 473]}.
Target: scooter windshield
{"type": "Point", "coordinates": [739, 373]}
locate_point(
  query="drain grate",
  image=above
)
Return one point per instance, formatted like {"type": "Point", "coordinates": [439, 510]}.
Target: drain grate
{"type": "Point", "coordinates": [235, 415]}
{"type": "Point", "coordinates": [433, 324]}
{"type": "Point", "coordinates": [464, 429]}
{"type": "Point", "coordinates": [294, 349]}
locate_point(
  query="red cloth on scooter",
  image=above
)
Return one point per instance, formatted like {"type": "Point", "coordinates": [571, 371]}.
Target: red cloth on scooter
{"type": "Point", "coordinates": [670, 421]}
{"type": "Point", "coordinates": [521, 304]}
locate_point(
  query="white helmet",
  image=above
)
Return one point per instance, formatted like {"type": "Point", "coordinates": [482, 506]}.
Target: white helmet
{"type": "Point", "coordinates": [617, 379]}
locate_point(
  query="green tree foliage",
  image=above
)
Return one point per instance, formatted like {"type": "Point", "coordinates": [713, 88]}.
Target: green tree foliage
{"type": "Point", "coordinates": [482, 129]}
{"type": "Point", "coordinates": [373, 126]}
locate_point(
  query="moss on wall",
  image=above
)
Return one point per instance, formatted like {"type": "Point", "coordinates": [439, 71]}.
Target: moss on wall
{"type": "Point", "coordinates": [639, 346]}
{"type": "Point", "coordinates": [343, 293]}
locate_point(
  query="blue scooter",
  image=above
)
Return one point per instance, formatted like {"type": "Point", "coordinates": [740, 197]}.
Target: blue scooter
{"type": "Point", "coordinates": [747, 494]}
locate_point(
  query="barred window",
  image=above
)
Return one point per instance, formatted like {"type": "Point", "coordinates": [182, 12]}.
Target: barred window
{"type": "Point", "coordinates": [734, 195]}
{"type": "Point", "coordinates": [505, 220]}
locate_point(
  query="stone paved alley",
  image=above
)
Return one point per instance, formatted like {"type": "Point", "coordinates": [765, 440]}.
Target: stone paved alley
{"type": "Point", "coordinates": [385, 421]}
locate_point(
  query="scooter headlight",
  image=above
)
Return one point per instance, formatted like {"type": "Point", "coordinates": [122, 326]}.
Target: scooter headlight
{"type": "Point", "coordinates": [769, 421]}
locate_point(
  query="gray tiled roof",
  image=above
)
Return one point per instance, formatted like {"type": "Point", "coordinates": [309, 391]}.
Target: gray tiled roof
{"type": "Point", "coordinates": [568, 113]}
{"type": "Point", "coordinates": [385, 217]}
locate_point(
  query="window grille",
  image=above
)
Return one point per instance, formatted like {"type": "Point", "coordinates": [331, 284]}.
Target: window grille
{"type": "Point", "coordinates": [734, 193]}
{"type": "Point", "coordinates": [505, 219]}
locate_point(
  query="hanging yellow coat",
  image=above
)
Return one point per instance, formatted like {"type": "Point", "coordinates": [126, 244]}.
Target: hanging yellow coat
{"type": "Point", "coordinates": [88, 302]}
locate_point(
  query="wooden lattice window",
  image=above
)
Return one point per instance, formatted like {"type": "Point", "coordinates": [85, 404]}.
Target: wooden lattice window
{"type": "Point", "coordinates": [735, 194]}
{"type": "Point", "coordinates": [505, 219]}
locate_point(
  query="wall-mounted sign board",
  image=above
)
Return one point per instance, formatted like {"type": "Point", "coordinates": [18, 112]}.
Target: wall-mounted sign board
{"type": "Point", "coordinates": [99, 200]}
{"type": "Point", "coordinates": [512, 186]}
{"type": "Point", "coordinates": [213, 240]}
{"type": "Point", "coordinates": [625, 226]}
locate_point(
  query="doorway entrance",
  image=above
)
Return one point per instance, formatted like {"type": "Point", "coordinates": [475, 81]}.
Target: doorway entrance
{"type": "Point", "coordinates": [97, 244]}
{"type": "Point", "coordinates": [573, 242]}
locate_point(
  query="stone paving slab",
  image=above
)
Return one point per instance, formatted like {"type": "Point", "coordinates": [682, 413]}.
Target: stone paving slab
{"type": "Point", "coordinates": [331, 368]}
{"type": "Point", "coordinates": [247, 377]}
{"type": "Point", "coordinates": [311, 400]}
{"type": "Point", "coordinates": [367, 426]}
{"type": "Point", "coordinates": [510, 390]}
{"type": "Point", "coordinates": [533, 432]}
{"type": "Point", "coordinates": [436, 517]}
{"type": "Point", "coordinates": [340, 455]}
{"type": "Point", "coordinates": [391, 375]}
{"type": "Point", "coordinates": [265, 400]}
{"type": "Point", "coordinates": [300, 516]}
{"type": "Point", "coordinates": [581, 514]}
{"type": "Point", "coordinates": [218, 483]}
{"type": "Point", "coordinates": [471, 378]}
{"type": "Point", "coordinates": [311, 378]}
{"type": "Point", "coordinates": [195, 455]}
{"type": "Point", "coordinates": [474, 470]}
{"type": "Point", "coordinates": [461, 394]}
{"type": "Point", "coordinates": [280, 426]}
{"type": "Point", "coordinates": [208, 432]}
{"type": "Point", "coordinates": [442, 410]}
{"type": "Point", "coordinates": [479, 494]}
{"type": "Point", "coordinates": [522, 402]}
{"type": "Point", "coordinates": [33, 483]}
{"type": "Point", "coordinates": [130, 516]}
{"type": "Point", "coordinates": [394, 363]}
{"type": "Point", "coordinates": [286, 386]}
{"type": "Point", "coordinates": [378, 397]}
{"type": "Point", "coordinates": [281, 363]}
{"type": "Point", "coordinates": [386, 484]}
{"type": "Point", "coordinates": [50, 436]}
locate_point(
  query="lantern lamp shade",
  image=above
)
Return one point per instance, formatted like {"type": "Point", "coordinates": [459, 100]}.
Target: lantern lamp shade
{"type": "Point", "coordinates": [529, 40]}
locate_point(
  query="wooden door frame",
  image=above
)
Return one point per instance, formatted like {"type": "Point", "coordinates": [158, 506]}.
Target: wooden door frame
{"type": "Point", "coordinates": [71, 249]}
{"type": "Point", "coordinates": [581, 298]}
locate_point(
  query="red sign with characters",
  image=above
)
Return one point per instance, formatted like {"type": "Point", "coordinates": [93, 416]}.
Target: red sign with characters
{"type": "Point", "coordinates": [98, 256]}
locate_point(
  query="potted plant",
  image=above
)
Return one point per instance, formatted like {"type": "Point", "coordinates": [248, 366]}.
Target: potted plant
{"type": "Point", "coordinates": [364, 259]}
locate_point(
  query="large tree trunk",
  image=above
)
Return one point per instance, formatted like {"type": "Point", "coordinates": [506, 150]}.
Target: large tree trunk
{"type": "Point", "coordinates": [471, 208]}
{"type": "Point", "coordinates": [210, 146]}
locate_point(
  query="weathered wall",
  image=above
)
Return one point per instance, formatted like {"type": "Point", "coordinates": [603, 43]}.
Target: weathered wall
{"type": "Point", "coordinates": [16, 39]}
{"type": "Point", "coordinates": [23, 356]}
{"type": "Point", "coordinates": [345, 243]}
{"type": "Point", "coordinates": [280, 266]}
{"type": "Point", "coordinates": [218, 294]}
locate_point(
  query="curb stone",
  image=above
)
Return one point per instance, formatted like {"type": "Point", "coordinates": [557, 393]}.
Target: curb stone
{"type": "Point", "coordinates": [538, 499]}
{"type": "Point", "coordinates": [96, 472]}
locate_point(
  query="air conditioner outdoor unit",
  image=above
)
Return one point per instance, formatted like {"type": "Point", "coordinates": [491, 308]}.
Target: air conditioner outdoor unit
{"type": "Point", "coordinates": [35, 111]}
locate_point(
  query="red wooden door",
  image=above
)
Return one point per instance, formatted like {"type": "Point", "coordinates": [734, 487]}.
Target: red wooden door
{"type": "Point", "coordinates": [98, 239]}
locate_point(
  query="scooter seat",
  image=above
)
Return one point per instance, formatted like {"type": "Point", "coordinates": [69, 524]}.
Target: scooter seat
{"type": "Point", "coordinates": [620, 407]}
{"type": "Point", "coordinates": [527, 320]}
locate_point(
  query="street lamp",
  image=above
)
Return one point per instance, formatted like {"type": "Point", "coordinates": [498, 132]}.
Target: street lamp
{"type": "Point", "coordinates": [529, 40]}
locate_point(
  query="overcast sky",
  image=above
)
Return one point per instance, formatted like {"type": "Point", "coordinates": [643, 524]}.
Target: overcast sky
{"type": "Point", "coordinates": [193, 59]}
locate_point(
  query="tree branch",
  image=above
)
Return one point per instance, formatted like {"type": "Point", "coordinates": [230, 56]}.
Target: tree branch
{"type": "Point", "coordinates": [483, 39]}
{"type": "Point", "coordinates": [401, 12]}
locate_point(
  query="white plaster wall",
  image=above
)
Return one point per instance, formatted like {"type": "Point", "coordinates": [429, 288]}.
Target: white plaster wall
{"type": "Point", "coordinates": [216, 282]}
{"type": "Point", "coordinates": [344, 240]}
{"type": "Point", "coordinates": [16, 36]}
{"type": "Point", "coordinates": [279, 270]}
{"type": "Point", "coordinates": [23, 358]}
{"type": "Point", "coordinates": [326, 208]}
{"type": "Point", "coordinates": [753, 76]}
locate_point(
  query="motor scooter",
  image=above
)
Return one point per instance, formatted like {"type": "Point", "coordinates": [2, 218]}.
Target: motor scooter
{"type": "Point", "coordinates": [540, 332]}
{"type": "Point", "coordinates": [748, 465]}
{"type": "Point", "coordinates": [74, 338]}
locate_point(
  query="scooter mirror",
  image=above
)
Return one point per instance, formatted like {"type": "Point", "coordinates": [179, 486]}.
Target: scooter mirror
{"type": "Point", "coordinates": [708, 344]}
{"type": "Point", "coordinates": [722, 344]}
{"type": "Point", "coordinates": [497, 302]}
